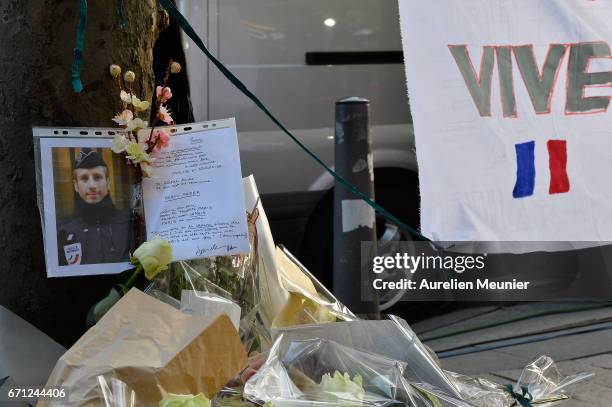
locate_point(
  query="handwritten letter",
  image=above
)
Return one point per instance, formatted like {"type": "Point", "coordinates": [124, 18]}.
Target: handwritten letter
{"type": "Point", "coordinates": [195, 199]}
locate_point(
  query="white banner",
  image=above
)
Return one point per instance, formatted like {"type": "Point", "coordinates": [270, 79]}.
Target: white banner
{"type": "Point", "coordinates": [510, 106]}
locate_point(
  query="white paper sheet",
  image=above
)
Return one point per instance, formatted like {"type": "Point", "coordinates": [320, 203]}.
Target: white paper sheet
{"type": "Point", "coordinates": [209, 304]}
{"type": "Point", "coordinates": [468, 154]}
{"type": "Point", "coordinates": [195, 199]}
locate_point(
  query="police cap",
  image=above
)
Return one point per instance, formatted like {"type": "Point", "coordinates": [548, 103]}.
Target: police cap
{"type": "Point", "coordinates": [89, 158]}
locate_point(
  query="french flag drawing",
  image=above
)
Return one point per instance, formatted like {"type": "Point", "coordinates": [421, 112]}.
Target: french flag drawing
{"type": "Point", "coordinates": [526, 172]}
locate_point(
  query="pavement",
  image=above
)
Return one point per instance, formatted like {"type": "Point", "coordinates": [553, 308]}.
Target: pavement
{"type": "Point", "coordinates": [497, 342]}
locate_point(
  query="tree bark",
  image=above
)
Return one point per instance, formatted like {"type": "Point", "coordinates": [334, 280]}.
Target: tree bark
{"type": "Point", "coordinates": [36, 43]}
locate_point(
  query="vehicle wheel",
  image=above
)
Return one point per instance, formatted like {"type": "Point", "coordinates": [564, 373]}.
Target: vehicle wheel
{"type": "Point", "coordinates": [396, 190]}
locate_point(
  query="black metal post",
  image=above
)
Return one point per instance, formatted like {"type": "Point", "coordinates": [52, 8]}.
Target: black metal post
{"type": "Point", "coordinates": [354, 219]}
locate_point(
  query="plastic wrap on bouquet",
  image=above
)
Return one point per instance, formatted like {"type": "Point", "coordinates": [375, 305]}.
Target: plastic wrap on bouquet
{"type": "Point", "coordinates": [540, 383]}
{"type": "Point", "coordinates": [115, 393]}
{"type": "Point", "coordinates": [320, 372]}
{"type": "Point", "coordinates": [288, 293]}
{"type": "Point", "coordinates": [309, 302]}
{"type": "Point", "coordinates": [544, 380]}
{"type": "Point", "coordinates": [215, 285]}
{"type": "Point", "coordinates": [392, 338]}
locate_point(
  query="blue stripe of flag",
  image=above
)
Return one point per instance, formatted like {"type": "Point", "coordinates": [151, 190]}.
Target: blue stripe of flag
{"type": "Point", "coordinates": [525, 169]}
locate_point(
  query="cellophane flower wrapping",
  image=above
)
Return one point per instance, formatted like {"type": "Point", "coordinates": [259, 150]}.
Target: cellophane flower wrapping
{"type": "Point", "coordinates": [392, 338]}
{"type": "Point", "coordinates": [386, 352]}
{"type": "Point", "coordinates": [321, 372]}
{"type": "Point", "coordinates": [233, 279]}
{"type": "Point", "coordinates": [309, 301]}
{"type": "Point", "coordinates": [115, 393]}
{"type": "Point", "coordinates": [542, 379]}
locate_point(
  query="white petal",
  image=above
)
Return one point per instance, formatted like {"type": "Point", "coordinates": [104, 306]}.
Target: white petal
{"type": "Point", "coordinates": [125, 97]}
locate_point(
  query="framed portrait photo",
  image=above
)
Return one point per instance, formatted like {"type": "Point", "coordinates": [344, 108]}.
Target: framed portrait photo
{"type": "Point", "coordinates": [86, 195]}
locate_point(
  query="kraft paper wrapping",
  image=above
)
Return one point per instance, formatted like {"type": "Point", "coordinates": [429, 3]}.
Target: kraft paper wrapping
{"type": "Point", "coordinates": [152, 347]}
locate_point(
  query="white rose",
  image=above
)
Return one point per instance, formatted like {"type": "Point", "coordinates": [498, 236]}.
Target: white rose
{"type": "Point", "coordinates": [154, 256]}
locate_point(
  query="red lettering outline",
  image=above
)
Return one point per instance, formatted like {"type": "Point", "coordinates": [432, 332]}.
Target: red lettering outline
{"type": "Point", "coordinates": [586, 70]}
{"type": "Point", "coordinates": [501, 97]}
{"type": "Point", "coordinates": [479, 76]}
{"type": "Point", "coordinates": [541, 73]}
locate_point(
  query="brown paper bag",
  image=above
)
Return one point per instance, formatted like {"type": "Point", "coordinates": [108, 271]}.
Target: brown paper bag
{"type": "Point", "coordinates": [152, 347]}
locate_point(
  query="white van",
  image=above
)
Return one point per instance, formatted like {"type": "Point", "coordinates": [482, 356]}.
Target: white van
{"type": "Point", "coordinates": [299, 57]}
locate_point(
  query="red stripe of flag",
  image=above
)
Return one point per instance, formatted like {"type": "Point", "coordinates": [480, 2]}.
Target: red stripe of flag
{"type": "Point", "coordinates": [557, 162]}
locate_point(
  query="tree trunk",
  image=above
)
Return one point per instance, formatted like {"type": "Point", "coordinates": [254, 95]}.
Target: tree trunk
{"type": "Point", "coordinates": [36, 43]}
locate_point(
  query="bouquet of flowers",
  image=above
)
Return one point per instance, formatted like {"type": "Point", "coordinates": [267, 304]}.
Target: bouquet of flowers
{"type": "Point", "coordinates": [382, 363]}
{"type": "Point", "coordinates": [234, 278]}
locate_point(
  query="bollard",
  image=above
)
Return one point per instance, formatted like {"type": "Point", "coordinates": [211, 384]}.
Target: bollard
{"type": "Point", "coordinates": [354, 220]}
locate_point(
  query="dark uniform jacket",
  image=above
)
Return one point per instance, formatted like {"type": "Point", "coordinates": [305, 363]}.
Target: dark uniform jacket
{"type": "Point", "coordinates": [95, 233]}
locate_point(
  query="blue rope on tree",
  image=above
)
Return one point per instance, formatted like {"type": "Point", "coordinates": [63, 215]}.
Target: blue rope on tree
{"type": "Point", "coordinates": [121, 16]}
{"type": "Point", "coordinates": [77, 85]}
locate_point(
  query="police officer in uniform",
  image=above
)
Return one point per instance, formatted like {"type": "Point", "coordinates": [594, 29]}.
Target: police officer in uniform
{"type": "Point", "coordinates": [97, 232]}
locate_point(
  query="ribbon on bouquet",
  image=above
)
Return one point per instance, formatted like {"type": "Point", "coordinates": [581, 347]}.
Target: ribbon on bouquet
{"type": "Point", "coordinates": [525, 398]}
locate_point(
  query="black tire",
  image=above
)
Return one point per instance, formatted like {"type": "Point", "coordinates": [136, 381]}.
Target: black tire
{"type": "Point", "coordinates": [397, 191]}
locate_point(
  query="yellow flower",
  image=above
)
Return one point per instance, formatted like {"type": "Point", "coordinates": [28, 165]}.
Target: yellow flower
{"type": "Point", "coordinates": [140, 105]}
{"type": "Point", "coordinates": [184, 400]}
{"type": "Point", "coordinates": [300, 310]}
{"type": "Point", "coordinates": [136, 152]}
{"type": "Point", "coordinates": [136, 124]}
{"type": "Point", "coordinates": [154, 256]}
{"type": "Point", "coordinates": [126, 98]}
{"type": "Point", "coordinates": [120, 143]}
{"type": "Point", "coordinates": [130, 98]}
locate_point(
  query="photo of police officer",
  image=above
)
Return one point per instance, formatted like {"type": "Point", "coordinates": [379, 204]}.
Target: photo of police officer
{"type": "Point", "coordinates": [97, 231]}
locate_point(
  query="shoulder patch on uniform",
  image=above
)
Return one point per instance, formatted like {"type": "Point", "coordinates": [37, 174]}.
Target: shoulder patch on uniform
{"type": "Point", "coordinates": [73, 254]}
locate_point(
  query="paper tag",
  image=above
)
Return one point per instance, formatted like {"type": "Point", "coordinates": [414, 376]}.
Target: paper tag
{"type": "Point", "coordinates": [203, 303]}
{"type": "Point", "coordinates": [73, 254]}
{"type": "Point", "coordinates": [355, 214]}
